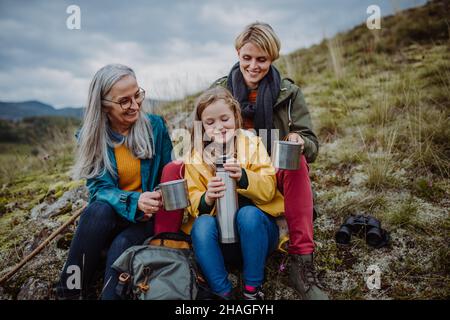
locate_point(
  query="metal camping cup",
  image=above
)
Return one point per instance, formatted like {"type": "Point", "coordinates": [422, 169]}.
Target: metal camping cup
{"type": "Point", "coordinates": [174, 194]}
{"type": "Point", "coordinates": [286, 155]}
{"type": "Point", "coordinates": [227, 206]}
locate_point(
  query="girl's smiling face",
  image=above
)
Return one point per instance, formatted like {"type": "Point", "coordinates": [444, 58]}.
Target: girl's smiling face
{"type": "Point", "coordinates": [219, 121]}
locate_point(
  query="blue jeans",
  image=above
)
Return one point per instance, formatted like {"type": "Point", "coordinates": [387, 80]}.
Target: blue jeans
{"type": "Point", "coordinates": [100, 229]}
{"type": "Point", "coordinates": [258, 235]}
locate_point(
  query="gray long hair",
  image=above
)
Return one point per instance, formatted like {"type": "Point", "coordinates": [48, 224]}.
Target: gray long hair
{"type": "Point", "coordinates": [92, 151]}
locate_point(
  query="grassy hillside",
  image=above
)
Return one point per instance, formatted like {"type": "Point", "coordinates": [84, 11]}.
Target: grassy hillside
{"type": "Point", "coordinates": [380, 105]}
{"type": "Point", "coordinates": [34, 143]}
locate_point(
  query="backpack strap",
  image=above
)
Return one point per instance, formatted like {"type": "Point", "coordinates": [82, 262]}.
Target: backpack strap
{"type": "Point", "coordinates": [175, 240]}
{"type": "Point", "coordinates": [123, 288]}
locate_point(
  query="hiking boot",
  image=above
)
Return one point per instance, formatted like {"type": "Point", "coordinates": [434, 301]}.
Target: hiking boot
{"type": "Point", "coordinates": [304, 279]}
{"type": "Point", "coordinates": [254, 295]}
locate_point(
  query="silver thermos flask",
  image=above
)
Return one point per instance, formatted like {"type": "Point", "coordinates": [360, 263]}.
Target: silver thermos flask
{"type": "Point", "coordinates": [227, 206]}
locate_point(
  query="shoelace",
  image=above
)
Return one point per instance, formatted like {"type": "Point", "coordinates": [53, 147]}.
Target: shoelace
{"type": "Point", "coordinates": [257, 295]}
{"type": "Point", "coordinates": [309, 274]}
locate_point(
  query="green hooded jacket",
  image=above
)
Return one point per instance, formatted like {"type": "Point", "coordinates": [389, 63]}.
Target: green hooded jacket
{"type": "Point", "coordinates": [290, 114]}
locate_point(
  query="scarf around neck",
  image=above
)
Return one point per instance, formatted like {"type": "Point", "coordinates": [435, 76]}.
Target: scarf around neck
{"type": "Point", "coordinates": [262, 111]}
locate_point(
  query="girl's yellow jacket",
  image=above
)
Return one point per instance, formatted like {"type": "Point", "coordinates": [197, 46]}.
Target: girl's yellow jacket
{"type": "Point", "coordinates": [262, 185]}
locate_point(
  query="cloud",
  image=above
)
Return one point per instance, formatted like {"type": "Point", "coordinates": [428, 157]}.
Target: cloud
{"type": "Point", "coordinates": [235, 16]}
{"type": "Point", "coordinates": [175, 47]}
{"type": "Point", "coordinates": [60, 87]}
{"type": "Point", "coordinates": [187, 67]}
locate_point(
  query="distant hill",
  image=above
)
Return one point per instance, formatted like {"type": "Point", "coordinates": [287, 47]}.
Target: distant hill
{"type": "Point", "coordinates": [20, 110]}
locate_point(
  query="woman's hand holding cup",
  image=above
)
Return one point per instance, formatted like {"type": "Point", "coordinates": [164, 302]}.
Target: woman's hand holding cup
{"type": "Point", "coordinates": [149, 203]}
{"type": "Point", "coordinates": [295, 137]}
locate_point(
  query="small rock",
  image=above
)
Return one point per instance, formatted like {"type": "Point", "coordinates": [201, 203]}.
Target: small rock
{"type": "Point", "coordinates": [34, 289]}
{"type": "Point", "coordinates": [234, 279]}
{"type": "Point", "coordinates": [4, 295]}
{"type": "Point", "coordinates": [283, 292]}
{"type": "Point", "coordinates": [64, 241]}
{"type": "Point", "coordinates": [38, 239]}
{"type": "Point", "coordinates": [37, 210]}
{"type": "Point", "coordinates": [64, 204]}
{"type": "Point", "coordinates": [10, 206]}
{"type": "Point", "coordinates": [80, 203]}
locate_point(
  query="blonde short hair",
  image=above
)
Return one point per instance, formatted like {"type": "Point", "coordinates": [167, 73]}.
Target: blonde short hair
{"type": "Point", "coordinates": [262, 35]}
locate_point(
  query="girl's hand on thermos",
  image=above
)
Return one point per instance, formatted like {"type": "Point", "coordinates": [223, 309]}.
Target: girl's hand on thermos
{"type": "Point", "coordinates": [215, 190]}
{"type": "Point", "coordinates": [234, 168]}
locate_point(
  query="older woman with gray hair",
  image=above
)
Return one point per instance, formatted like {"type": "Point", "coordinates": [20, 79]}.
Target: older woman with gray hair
{"type": "Point", "coordinates": [121, 153]}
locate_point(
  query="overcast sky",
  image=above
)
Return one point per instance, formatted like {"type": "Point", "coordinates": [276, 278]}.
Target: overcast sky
{"type": "Point", "coordinates": [175, 47]}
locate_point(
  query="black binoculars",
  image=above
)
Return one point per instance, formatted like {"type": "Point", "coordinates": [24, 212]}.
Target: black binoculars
{"type": "Point", "coordinates": [366, 226]}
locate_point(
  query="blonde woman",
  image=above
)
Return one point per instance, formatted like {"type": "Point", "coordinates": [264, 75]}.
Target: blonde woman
{"type": "Point", "coordinates": [270, 102]}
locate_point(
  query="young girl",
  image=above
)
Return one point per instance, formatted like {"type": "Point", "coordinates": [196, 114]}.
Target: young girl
{"type": "Point", "coordinates": [259, 200]}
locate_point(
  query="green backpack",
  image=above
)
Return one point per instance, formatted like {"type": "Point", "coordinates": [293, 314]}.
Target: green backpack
{"type": "Point", "coordinates": [163, 268]}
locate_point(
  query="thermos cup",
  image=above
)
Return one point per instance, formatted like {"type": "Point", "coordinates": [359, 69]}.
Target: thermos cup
{"type": "Point", "coordinates": [174, 194]}
{"type": "Point", "coordinates": [227, 206]}
{"type": "Point", "coordinates": [286, 155]}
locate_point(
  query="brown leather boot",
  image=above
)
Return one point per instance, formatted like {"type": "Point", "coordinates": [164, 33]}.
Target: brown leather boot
{"type": "Point", "coordinates": [304, 279]}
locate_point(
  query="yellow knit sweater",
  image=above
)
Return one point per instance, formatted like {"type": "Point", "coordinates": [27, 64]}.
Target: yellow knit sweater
{"type": "Point", "coordinates": [128, 169]}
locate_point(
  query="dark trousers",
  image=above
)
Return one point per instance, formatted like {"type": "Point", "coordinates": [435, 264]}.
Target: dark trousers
{"type": "Point", "coordinates": [100, 229]}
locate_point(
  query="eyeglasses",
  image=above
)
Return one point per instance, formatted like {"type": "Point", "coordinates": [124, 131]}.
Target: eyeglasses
{"type": "Point", "coordinates": [125, 103]}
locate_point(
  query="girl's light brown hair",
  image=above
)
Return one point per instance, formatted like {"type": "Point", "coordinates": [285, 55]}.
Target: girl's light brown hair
{"type": "Point", "coordinates": [203, 101]}
{"type": "Point", "coordinates": [262, 35]}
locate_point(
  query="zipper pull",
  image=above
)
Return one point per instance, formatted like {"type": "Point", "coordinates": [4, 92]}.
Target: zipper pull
{"type": "Point", "coordinates": [143, 286]}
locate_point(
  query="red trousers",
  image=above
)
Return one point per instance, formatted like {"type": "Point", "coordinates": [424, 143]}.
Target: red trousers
{"type": "Point", "coordinates": [298, 202]}
{"type": "Point", "coordinates": [295, 186]}
{"type": "Point", "coordinates": [170, 221]}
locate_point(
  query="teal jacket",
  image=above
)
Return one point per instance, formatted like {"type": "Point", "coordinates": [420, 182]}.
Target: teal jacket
{"type": "Point", "coordinates": [106, 187]}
